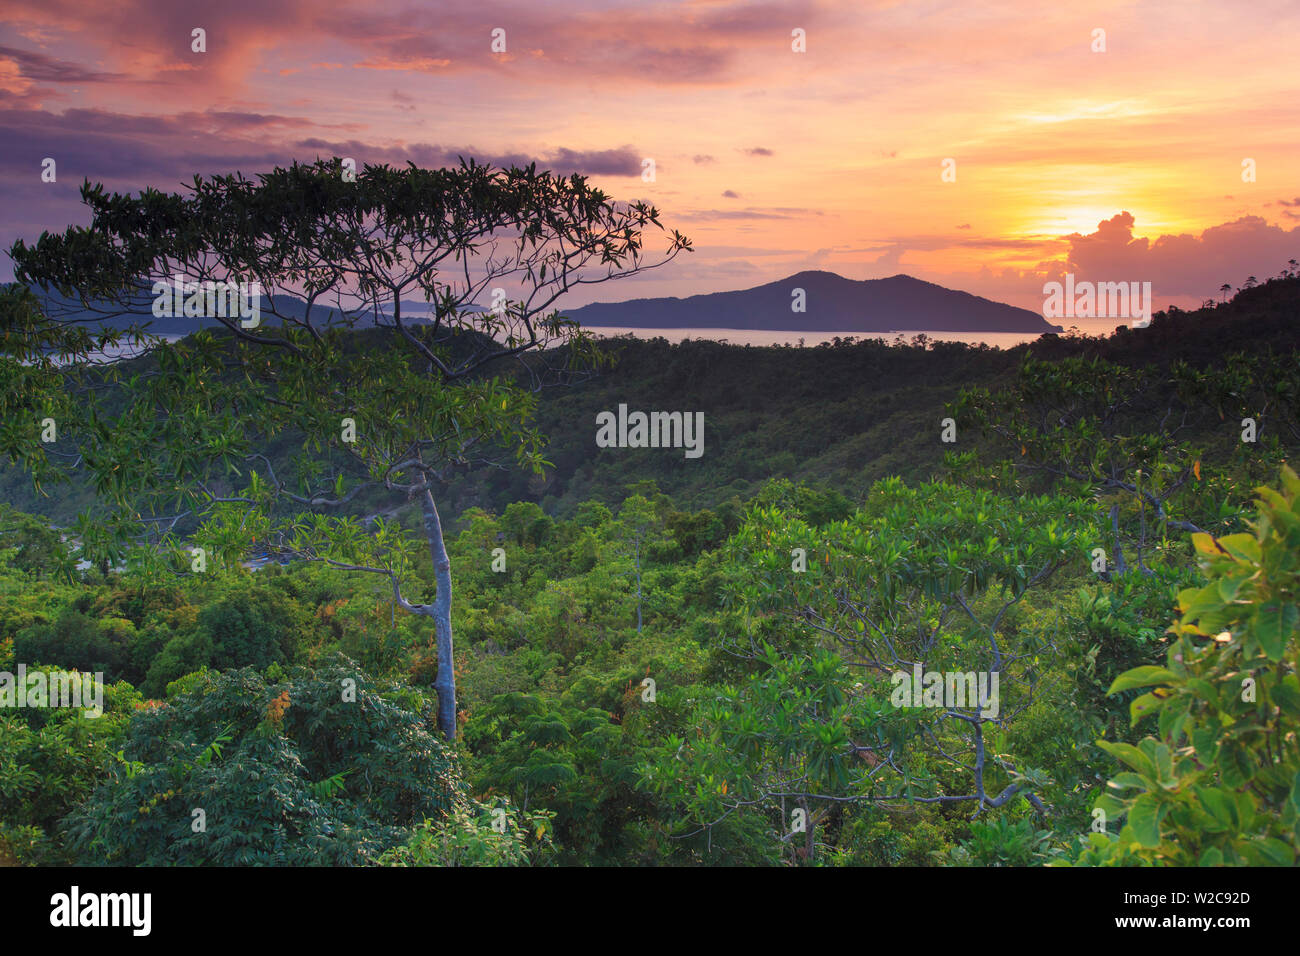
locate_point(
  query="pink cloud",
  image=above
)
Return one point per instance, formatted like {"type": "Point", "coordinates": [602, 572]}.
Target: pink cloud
{"type": "Point", "coordinates": [1184, 264]}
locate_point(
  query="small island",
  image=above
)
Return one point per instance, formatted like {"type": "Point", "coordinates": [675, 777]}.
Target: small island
{"type": "Point", "coordinates": [830, 303]}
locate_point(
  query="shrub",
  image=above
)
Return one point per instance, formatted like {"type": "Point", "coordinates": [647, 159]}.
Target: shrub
{"type": "Point", "coordinates": [1220, 781]}
{"type": "Point", "coordinates": [290, 773]}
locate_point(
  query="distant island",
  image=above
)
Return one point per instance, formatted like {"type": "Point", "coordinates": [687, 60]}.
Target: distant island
{"type": "Point", "coordinates": [831, 303]}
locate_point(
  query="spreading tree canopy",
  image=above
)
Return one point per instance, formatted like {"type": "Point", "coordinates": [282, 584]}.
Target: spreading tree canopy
{"type": "Point", "coordinates": [185, 443]}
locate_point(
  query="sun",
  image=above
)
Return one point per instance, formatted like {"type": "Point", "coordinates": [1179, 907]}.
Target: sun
{"type": "Point", "coordinates": [1084, 220]}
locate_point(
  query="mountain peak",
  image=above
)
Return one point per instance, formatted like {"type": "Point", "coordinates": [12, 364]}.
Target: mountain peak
{"type": "Point", "coordinates": [831, 303]}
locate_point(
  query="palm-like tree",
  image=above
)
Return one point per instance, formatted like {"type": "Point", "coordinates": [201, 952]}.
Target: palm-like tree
{"type": "Point", "coordinates": [1225, 289]}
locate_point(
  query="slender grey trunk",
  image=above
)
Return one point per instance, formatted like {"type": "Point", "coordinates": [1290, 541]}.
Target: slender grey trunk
{"type": "Point", "coordinates": [638, 584]}
{"type": "Point", "coordinates": [440, 611]}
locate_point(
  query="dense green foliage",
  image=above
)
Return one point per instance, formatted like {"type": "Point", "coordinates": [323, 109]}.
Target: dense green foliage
{"type": "Point", "coordinates": [295, 772]}
{"type": "Point", "coordinates": [707, 674]}
{"type": "Point", "coordinates": [1220, 782]}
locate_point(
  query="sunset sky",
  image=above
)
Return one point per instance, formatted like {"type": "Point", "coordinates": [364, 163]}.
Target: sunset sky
{"type": "Point", "coordinates": [1117, 165]}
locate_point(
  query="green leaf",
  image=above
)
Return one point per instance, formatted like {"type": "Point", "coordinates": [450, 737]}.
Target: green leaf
{"type": "Point", "coordinates": [1218, 807]}
{"type": "Point", "coordinates": [1286, 694]}
{"type": "Point", "coordinates": [1144, 818]}
{"type": "Point", "coordinates": [1198, 602]}
{"type": "Point", "coordinates": [1229, 586]}
{"type": "Point", "coordinates": [1205, 740]}
{"type": "Point", "coordinates": [1204, 690]}
{"type": "Point", "coordinates": [1274, 624]}
{"type": "Point", "coordinates": [1143, 706]}
{"type": "Point", "coordinates": [1268, 851]}
{"type": "Point", "coordinates": [1130, 755]}
{"type": "Point", "coordinates": [1143, 676]}
{"type": "Point", "coordinates": [1161, 756]}
{"type": "Point", "coordinates": [1242, 546]}
{"type": "Point", "coordinates": [1125, 779]}
{"type": "Point", "coordinates": [1236, 764]}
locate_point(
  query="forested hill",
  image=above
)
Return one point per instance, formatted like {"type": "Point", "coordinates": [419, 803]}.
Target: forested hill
{"type": "Point", "coordinates": [840, 415]}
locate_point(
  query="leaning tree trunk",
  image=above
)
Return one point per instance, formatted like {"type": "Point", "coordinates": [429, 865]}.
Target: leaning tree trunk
{"type": "Point", "coordinates": [440, 611]}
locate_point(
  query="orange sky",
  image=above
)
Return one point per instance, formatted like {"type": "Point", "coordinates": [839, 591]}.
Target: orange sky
{"type": "Point", "coordinates": [772, 161]}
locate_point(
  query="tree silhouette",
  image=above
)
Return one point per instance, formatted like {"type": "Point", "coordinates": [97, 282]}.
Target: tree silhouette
{"type": "Point", "coordinates": [395, 409]}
